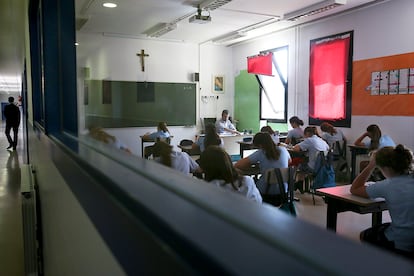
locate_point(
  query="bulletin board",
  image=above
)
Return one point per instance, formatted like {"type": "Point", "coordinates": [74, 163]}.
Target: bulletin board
{"type": "Point", "coordinates": [366, 100]}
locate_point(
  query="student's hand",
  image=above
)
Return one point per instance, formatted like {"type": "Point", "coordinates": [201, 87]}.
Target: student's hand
{"type": "Point", "coordinates": [372, 155]}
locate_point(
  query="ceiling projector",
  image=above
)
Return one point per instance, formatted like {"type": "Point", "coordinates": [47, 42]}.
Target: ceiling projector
{"type": "Point", "coordinates": [200, 19]}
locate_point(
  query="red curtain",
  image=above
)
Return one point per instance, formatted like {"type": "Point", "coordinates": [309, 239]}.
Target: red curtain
{"type": "Point", "coordinates": [327, 79]}
{"type": "Point", "coordinates": [260, 65]}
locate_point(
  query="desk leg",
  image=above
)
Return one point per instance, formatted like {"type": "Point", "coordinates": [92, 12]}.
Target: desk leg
{"type": "Point", "coordinates": [376, 218]}
{"type": "Point", "coordinates": [241, 150]}
{"type": "Point", "coordinates": [142, 149]}
{"type": "Point", "coordinates": [353, 164]}
{"type": "Point", "coordinates": [331, 215]}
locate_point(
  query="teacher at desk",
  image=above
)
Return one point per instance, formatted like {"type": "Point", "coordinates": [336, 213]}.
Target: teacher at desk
{"type": "Point", "coordinates": [398, 190]}
{"type": "Point", "coordinates": [224, 125]}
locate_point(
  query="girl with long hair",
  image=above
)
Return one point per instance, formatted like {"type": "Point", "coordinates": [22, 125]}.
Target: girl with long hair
{"type": "Point", "coordinates": [296, 133]}
{"type": "Point", "coordinates": [219, 170]}
{"type": "Point", "coordinates": [266, 157]}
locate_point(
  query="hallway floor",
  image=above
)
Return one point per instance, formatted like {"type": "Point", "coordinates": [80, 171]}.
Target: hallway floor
{"type": "Point", "coordinates": [11, 237]}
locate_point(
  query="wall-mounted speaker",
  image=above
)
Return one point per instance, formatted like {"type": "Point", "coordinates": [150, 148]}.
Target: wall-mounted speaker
{"type": "Point", "coordinates": [196, 77]}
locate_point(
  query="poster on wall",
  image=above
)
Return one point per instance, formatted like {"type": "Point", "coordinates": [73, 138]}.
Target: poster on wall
{"type": "Point", "coordinates": [375, 83]}
{"type": "Point", "coordinates": [393, 82]}
{"type": "Point", "coordinates": [384, 75]}
{"type": "Point", "coordinates": [403, 82]}
{"type": "Point", "coordinates": [411, 81]}
{"type": "Point", "coordinates": [218, 84]}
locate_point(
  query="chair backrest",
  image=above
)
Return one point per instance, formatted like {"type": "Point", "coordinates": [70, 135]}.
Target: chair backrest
{"type": "Point", "coordinates": [339, 149]}
{"type": "Point", "coordinates": [279, 176]}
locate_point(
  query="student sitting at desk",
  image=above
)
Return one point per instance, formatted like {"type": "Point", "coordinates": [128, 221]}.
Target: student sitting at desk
{"type": "Point", "coordinates": [180, 161]}
{"type": "Point", "coordinates": [162, 132]}
{"type": "Point", "coordinates": [331, 134]}
{"type": "Point", "coordinates": [378, 140]}
{"type": "Point", "coordinates": [210, 138]}
{"type": "Point", "coordinates": [398, 191]}
{"type": "Point", "coordinates": [219, 170]}
{"type": "Point", "coordinates": [224, 125]}
{"type": "Point", "coordinates": [296, 133]}
{"type": "Point", "coordinates": [313, 144]}
{"type": "Point", "coordinates": [268, 156]}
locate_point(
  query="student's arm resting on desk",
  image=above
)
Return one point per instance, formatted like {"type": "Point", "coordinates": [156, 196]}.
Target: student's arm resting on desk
{"type": "Point", "coordinates": [358, 185]}
{"type": "Point", "coordinates": [359, 142]}
{"type": "Point", "coordinates": [243, 164]}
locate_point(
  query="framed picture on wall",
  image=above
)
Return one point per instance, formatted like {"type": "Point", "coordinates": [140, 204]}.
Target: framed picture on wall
{"type": "Point", "coordinates": [218, 84]}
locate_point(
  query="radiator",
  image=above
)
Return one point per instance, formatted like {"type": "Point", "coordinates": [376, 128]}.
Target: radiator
{"type": "Point", "coordinates": [29, 220]}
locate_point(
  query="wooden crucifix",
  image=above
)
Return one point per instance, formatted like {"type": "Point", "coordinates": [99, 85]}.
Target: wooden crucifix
{"type": "Point", "coordinates": [142, 55]}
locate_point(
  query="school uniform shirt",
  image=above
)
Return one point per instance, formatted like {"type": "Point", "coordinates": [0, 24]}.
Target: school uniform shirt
{"type": "Point", "coordinates": [313, 145]}
{"type": "Point", "coordinates": [182, 162]}
{"type": "Point", "coordinates": [221, 125]}
{"type": "Point", "coordinates": [384, 141]}
{"type": "Point", "coordinates": [118, 145]}
{"type": "Point", "coordinates": [331, 139]}
{"type": "Point", "coordinates": [247, 188]}
{"type": "Point", "coordinates": [159, 134]}
{"type": "Point", "coordinates": [200, 143]}
{"type": "Point", "coordinates": [259, 156]}
{"type": "Point", "coordinates": [398, 193]}
{"type": "Point", "coordinates": [296, 133]}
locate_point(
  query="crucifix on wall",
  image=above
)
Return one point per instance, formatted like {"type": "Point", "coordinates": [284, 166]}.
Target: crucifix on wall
{"type": "Point", "coordinates": [142, 55]}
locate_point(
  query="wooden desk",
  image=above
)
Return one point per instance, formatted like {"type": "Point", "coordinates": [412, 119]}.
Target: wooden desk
{"type": "Point", "coordinates": [356, 150]}
{"type": "Point", "coordinates": [340, 199]}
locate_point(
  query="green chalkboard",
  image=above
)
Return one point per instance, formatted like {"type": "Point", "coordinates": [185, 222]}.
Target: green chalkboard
{"type": "Point", "coordinates": [134, 104]}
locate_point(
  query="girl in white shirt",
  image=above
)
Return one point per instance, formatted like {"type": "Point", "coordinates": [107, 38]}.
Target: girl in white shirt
{"type": "Point", "coordinates": [218, 170]}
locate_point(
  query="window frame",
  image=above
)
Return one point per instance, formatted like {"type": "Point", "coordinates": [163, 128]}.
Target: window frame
{"type": "Point", "coordinates": [278, 73]}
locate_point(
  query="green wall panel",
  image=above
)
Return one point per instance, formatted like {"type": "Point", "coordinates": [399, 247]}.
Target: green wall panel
{"type": "Point", "coordinates": [246, 102]}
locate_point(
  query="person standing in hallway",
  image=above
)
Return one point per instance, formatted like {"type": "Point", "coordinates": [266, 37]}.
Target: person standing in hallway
{"type": "Point", "coordinates": [12, 114]}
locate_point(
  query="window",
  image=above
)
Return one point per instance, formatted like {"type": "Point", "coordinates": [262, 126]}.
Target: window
{"type": "Point", "coordinates": [330, 80]}
{"type": "Point", "coordinates": [273, 89]}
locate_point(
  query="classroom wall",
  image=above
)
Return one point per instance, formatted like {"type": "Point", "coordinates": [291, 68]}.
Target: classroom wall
{"type": "Point", "coordinates": [375, 35]}
{"type": "Point", "coordinates": [381, 30]}
{"type": "Point", "coordinates": [114, 58]}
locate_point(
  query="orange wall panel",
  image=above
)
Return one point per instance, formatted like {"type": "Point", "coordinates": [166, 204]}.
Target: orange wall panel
{"type": "Point", "coordinates": [383, 105]}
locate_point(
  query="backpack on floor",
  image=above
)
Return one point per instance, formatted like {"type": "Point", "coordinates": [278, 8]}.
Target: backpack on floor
{"type": "Point", "coordinates": [324, 175]}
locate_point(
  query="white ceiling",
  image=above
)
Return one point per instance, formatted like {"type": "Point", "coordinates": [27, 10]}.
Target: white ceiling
{"type": "Point", "coordinates": [133, 17]}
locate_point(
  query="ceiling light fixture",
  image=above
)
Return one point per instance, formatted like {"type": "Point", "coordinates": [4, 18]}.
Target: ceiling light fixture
{"type": "Point", "coordinates": [313, 9]}
{"type": "Point", "coordinates": [160, 29]}
{"type": "Point", "coordinates": [109, 5]}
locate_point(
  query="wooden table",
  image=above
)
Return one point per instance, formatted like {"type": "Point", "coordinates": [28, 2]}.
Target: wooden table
{"type": "Point", "coordinates": [356, 150]}
{"type": "Point", "coordinates": [340, 199]}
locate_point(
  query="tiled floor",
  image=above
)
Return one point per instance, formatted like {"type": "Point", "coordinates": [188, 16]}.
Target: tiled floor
{"type": "Point", "coordinates": [11, 241]}
{"type": "Point", "coordinates": [349, 224]}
